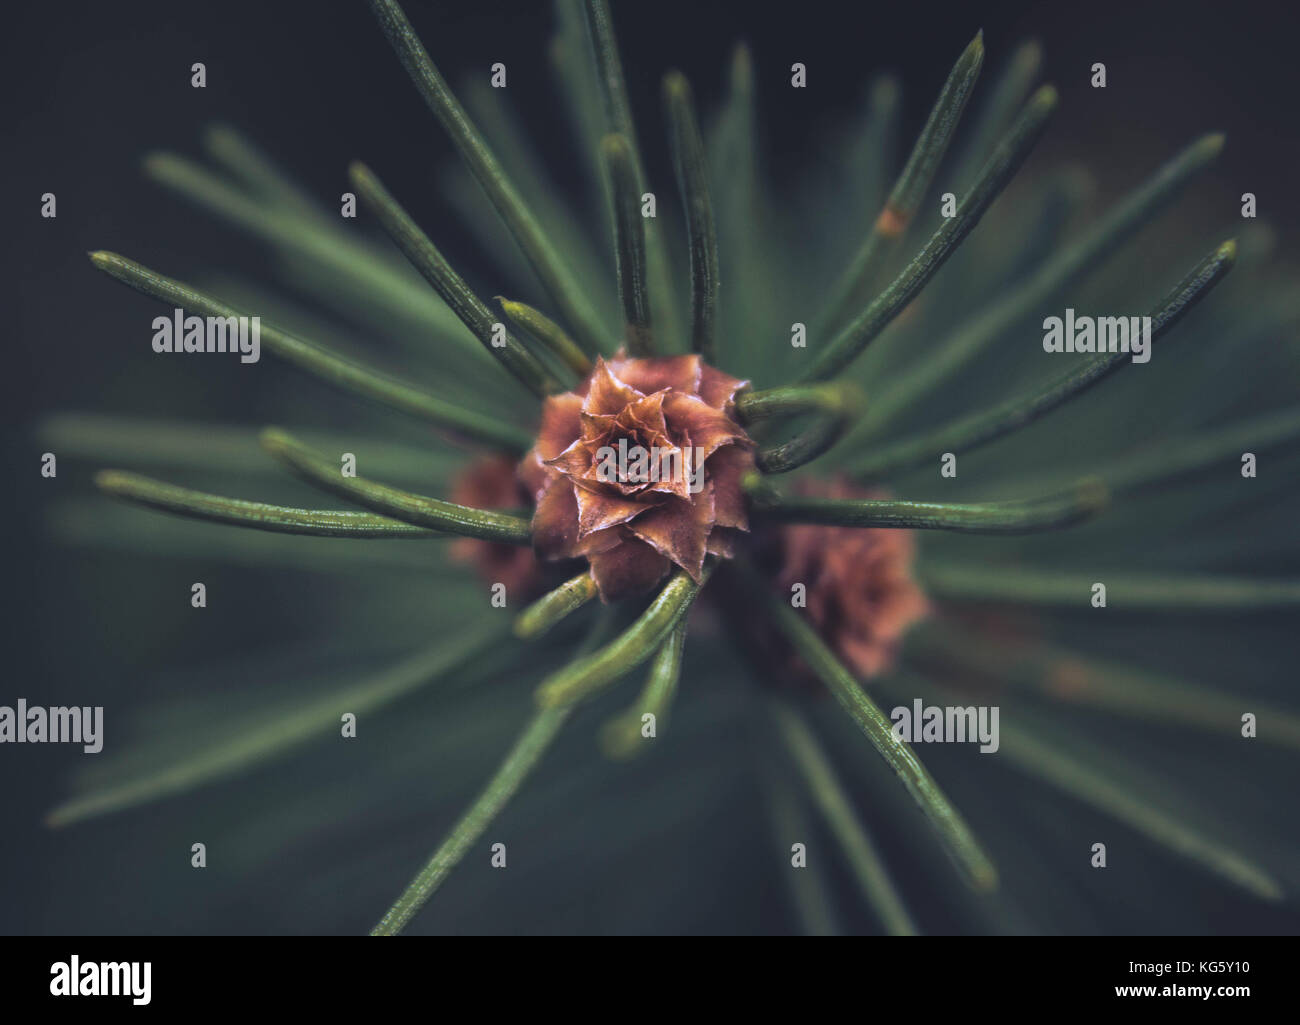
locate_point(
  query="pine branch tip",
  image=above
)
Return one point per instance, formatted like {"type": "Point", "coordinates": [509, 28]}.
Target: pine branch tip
{"type": "Point", "coordinates": [742, 65]}
{"type": "Point", "coordinates": [676, 85]}
{"type": "Point", "coordinates": [615, 146]}
{"type": "Point", "coordinates": [1030, 53]}
{"type": "Point", "coordinates": [153, 162]}
{"type": "Point", "coordinates": [359, 172]}
{"type": "Point", "coordinates": [1093, 495]}
{"type": "Point", "coordinates": [114, 482]}
{"type": "Point", "coordinates": [884, 91]}
{"type": "Point", "coordinates": [275, 440]}
{"type": "Point", "coordinates": [1212, 144]}
{"type": "Point", "coordinates": [215, 133]}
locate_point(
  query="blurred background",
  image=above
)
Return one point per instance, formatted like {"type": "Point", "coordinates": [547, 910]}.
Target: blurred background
{"type": "Point", "coordinates": [315, 843]}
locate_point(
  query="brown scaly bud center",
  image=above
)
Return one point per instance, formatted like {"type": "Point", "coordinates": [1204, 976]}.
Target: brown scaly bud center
{"type": "Point", "coordinates": [639, 470]}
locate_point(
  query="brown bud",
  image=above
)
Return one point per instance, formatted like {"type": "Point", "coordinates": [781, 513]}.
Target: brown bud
{"type": "Point", "coordinates": [639, 470]}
